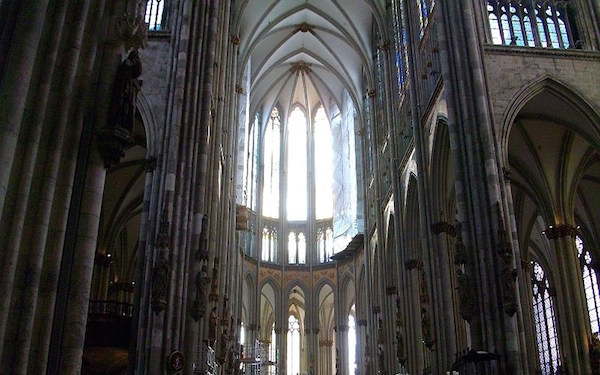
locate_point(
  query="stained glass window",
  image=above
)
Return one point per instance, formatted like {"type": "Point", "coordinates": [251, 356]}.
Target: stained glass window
{"type": "Point", "coordinates": [545, 321]}
{"type": "Point", "coordinates": [590, 284]}
{"type": "Point", "coordinates": [153, 15]}
{"type": "Point", "coordinates": [531, 23]}
{"type": "Point", "coordinates": [293, 346]}
{"type": "Point", "coordinates": [297, 156]}
{"type": "Point", "coordinates": [323, 166]}
{"type": "Point", "coordinates": [271, 169]}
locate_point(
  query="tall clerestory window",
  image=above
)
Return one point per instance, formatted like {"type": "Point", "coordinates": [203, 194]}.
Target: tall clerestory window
{"type": "Point", "coordinates": [590, 284]}
{"type": "Point", "coordinates": [313, 192]}
{"type": "Point", "coordinates": [400, 42]}
{"type": "Point", "coordinates": [297, 166]}
{"type": "Point", "coordinates": [545, 321]}
{"type": "Point", "coordinates": [323, 166]}
{"type": "Point", "coordinates": [532, 23]}
{"type": "Point", "coordinates": [251, 169]}
{"type": "Point", "coordinates": [271, 146]}
{"type": "Point", "coordinates": [424, 7]}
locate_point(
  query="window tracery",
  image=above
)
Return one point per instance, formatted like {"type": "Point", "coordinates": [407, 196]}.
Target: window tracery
{"type": "Point", "coordinates": [271, 145]}
{"type": "Point", "coordinates": [545, 321]}
{"type": "Point", "coordinates": [293, 345]}
{"type": "Point", "coordinates": [153, 14]}
{"type": "Point", "coordinates": [590, 284]}
{"type": "Point", "coordinates": [531, 23]}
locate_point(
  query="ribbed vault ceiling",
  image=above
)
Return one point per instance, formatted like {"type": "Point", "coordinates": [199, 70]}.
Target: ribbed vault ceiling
{"type": "Point", "coordinates": [304, 52]}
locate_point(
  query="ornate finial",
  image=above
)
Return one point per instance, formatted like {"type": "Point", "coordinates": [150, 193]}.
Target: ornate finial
{"type": "Point", "coordinates": [235, 40]}
{"type": "Point", "coordinates": [301, 66]}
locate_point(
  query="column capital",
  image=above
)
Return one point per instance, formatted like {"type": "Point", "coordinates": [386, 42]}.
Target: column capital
{"type": "Point", "coordinates": [554, 232]}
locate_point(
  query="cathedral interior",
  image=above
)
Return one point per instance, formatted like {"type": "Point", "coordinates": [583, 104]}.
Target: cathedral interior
{"type": "Point", "coordinates": [300, 187]}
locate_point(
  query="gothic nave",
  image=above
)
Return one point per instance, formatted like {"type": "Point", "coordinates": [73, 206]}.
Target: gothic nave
{"type": "Point", "coordinates": [295, 187]}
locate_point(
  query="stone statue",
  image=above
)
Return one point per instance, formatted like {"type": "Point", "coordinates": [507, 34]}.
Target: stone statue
{"type": "Point", "coordinates": [468, 305]}
{"type": "Point", "coordinates": [214, 286]}
{"type": "Point", "coordinates": [380, 332]}
{"type": "Point", "coordinates": [126, 88]}
{"type": "Point", "coordinates": [212, 327]}
{"type": "Point", "coordinates": [595, 354]}
{"type": "Point", "coordinates": [203, 252]}
{"type": "Point", "coordinates": [160, 281]}
{"type": "Point", "coordinates": [380, 360]}
{"type": "Point", "coordinates": [224, 341]}
{"type": "Point", "coordinates": [425, 324]}
{"type": "Point", "coordinates": [199, 307]}
{"type": "Point", "coordinates": [508, 276]}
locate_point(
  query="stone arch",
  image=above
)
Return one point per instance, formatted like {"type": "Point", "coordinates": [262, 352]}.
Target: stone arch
{"type": "Point", "coordinates": [150, 124]}
{"type": "Point", "coordinates": [589, 113]}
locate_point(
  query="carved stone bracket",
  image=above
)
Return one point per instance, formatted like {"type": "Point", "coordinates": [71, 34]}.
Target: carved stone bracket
{"type": "Point", "coordinates": [235, 40]}
{"type": "Point", "coordinates": [239, 89]}
{"type": "Point", "coordinates": [443, 227]}
{"type": "Point", "coordinates": [411, 264]}
{"type": "Point", "coordinates": [112, 144]}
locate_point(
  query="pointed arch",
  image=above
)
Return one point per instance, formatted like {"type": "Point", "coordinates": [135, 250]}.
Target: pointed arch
{"type": "Point", "coordinates": [587, 111]}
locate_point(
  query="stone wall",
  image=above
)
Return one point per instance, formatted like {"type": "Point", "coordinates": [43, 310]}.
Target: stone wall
{"type": "Point", "coordinates": [155, 60]}
{"type": "Point", "coordinates": [510, 70]}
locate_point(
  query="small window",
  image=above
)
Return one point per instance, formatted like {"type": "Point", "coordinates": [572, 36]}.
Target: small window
{"type": "Point", "coordinates": [154, 13]}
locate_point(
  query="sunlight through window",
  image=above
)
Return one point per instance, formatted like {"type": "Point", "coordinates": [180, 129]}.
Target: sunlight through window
{"type": "Point", "coordinates": [323, 166]}
{"type": "Point", "coordinates": [271, 163]}
{"type": "Point", "coordinates": [297, 189]}
{"type": "Point", "coordinates": [293, 346]}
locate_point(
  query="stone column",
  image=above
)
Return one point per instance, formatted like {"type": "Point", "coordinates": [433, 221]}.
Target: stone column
{"type": "Point", "coordinates": [572, 312]}
{"type": "Point", "coordinates": [325, 357]}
